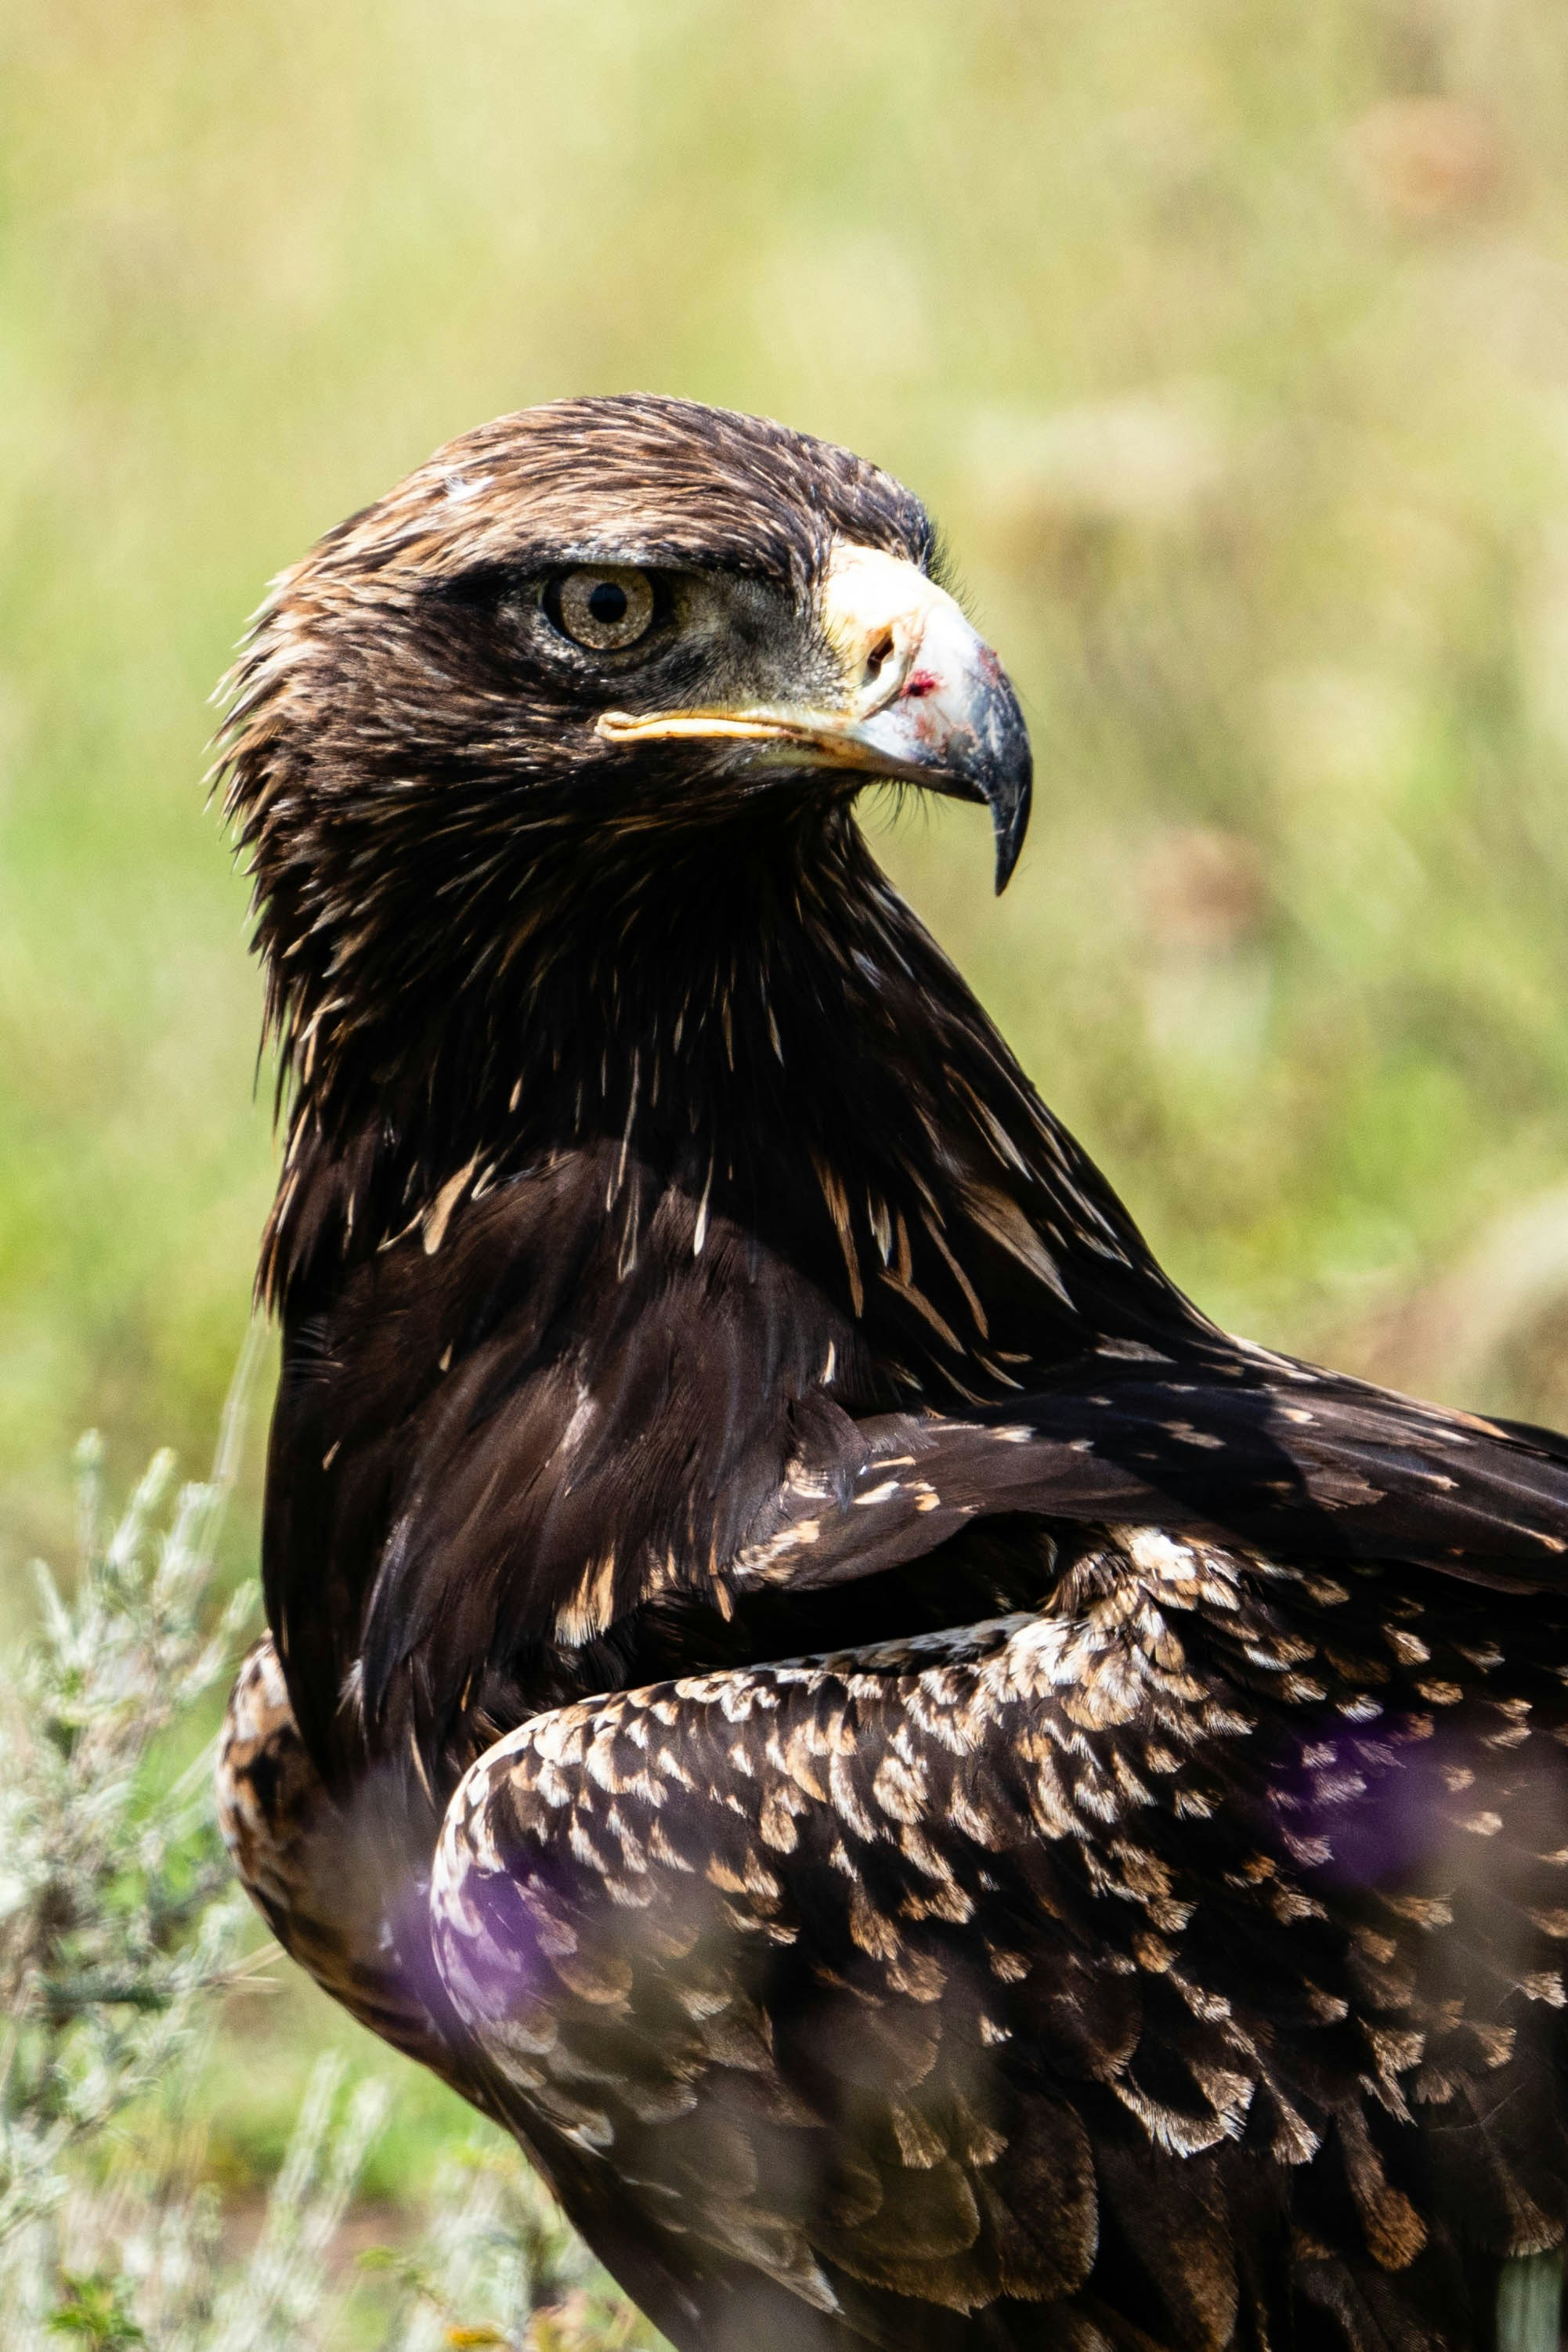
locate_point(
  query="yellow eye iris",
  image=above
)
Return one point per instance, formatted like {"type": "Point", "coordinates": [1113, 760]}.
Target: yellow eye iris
{"type": "Point", "coordinates": [604, 608]}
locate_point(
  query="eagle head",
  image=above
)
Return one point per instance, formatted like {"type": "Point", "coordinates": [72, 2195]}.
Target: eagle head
{"type": "Point", "coordinates": [590, 631]}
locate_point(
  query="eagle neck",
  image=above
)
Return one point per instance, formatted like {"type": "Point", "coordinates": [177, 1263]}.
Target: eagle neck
{"type": "Point", "coordinates": [757, 1033]}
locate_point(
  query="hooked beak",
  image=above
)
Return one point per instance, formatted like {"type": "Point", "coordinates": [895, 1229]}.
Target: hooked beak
{"type": "Point", "coordinates": [926, 700]}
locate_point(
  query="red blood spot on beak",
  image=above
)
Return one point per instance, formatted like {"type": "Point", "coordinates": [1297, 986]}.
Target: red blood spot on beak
{"type": "Point", "coordinates": [918, 682]}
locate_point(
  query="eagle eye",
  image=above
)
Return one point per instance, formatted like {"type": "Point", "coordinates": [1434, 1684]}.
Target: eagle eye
{"type": "Point", "coordinates": [606, 607]}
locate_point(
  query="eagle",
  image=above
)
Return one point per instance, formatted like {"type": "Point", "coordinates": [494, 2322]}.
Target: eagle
{"type": "Point", "coordinates": [946, 1800]}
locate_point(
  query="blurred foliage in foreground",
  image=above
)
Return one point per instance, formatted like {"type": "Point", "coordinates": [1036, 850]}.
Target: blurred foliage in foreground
{"type": "Point", "coordinates": [121, 1929]}
{"type": "Point", "coordinates": [1229, 341]}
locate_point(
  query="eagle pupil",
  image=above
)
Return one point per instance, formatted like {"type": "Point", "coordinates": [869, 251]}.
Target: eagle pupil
{"type": "Point", "coordinates": [607, 603]}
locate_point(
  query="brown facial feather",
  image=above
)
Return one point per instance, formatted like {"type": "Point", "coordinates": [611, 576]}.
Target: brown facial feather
{"type": "Point", "coordinates": [382, 698]}
{"type": "Point", "coordinates": [678, 1275]}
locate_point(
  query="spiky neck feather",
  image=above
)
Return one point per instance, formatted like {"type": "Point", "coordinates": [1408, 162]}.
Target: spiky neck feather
{"type": "Point", "coordinates": [741, 1018]}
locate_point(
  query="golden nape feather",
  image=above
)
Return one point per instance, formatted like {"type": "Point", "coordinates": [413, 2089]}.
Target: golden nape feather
{"type": "Point", "coordinates": [946, 1800]}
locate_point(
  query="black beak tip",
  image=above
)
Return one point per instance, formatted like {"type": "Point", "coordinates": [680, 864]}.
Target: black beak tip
{"type": "Point", "coordinates": [1010, 822]}
{"type": "Point", "coordinates": [1009, 790]}
{"type": "Point", "coordinates": [1006, 773]}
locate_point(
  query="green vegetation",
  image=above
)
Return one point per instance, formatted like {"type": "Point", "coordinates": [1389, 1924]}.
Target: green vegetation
{"type": "Point", "coordinates": [1229, 341]}
{"type": "Point", "coordinates": [121, 1930]}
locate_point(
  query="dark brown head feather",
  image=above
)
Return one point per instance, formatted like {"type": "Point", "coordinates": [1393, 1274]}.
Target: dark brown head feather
{"type": "Point", "coordinates": [370, 679]}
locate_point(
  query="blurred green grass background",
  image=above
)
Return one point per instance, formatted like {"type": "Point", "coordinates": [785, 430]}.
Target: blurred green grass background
{"type": "Point", "coordinates": [1227, 339]}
